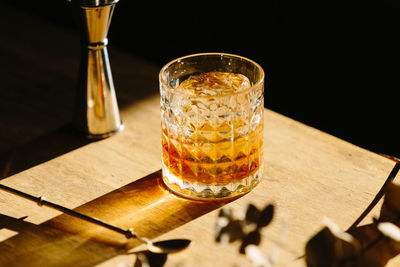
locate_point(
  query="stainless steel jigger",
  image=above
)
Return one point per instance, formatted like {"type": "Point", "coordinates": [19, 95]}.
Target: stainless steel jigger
{"type": "Point", "coordinates": [96, 108]}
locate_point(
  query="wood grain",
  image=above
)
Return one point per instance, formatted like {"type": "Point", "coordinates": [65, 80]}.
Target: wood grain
{"type": "Point", "coordinates": [308, 174]}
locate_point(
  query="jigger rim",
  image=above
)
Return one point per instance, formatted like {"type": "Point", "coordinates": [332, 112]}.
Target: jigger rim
{"type": "Point", "coordinates": [95, 3]}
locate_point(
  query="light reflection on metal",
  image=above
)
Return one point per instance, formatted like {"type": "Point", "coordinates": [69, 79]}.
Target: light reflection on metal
{"type": "Point", "coordinates": [96, 108]}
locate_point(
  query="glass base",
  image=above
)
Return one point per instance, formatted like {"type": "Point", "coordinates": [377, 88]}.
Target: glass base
{"type": "Point", "coordinates": [214, 191]}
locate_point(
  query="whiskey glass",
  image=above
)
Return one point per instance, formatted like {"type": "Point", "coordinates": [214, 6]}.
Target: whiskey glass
{"type": "Point", "coordinates": [212, 107]}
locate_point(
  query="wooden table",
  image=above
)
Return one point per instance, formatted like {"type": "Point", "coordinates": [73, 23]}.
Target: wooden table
{"type": "Point", "coordinates": [308, 175]}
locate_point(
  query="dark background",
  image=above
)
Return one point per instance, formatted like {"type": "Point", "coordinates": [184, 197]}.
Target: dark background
{"type": "Point", "coordinates": [332, 65]}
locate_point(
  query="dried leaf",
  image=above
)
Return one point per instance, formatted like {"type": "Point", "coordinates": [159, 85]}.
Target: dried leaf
{"type": "Point", "coordinates": [376, 249]}
{"type": "Point", "coordinates": [378, 239]}
{"type": "Point", "coordinates": [390, 210]}
{"type": "Point", "coordinates": [327, 249]}
{"type": "Point", "coordinates": [320, 249]}
{"type": "Point", "coordinates": [339, 233]}
{"type": "Point", "coordinates": [390, 230]}
{"type": "Point", "coordinates": [266, 216]}
{"type": "Point", "coordinates": [361, 246]}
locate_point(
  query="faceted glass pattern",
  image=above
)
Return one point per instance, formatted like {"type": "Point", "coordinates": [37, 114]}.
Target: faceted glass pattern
{"type": "Point", "coordinates": [212, 144]}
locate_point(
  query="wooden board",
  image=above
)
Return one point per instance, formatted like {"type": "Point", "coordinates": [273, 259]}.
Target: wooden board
{"type": "Point", "coordinates": [308, 174]}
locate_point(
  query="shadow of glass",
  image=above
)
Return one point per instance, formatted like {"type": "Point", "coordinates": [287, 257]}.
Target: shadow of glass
{"type": "Point", "coordinates": [146, 205]}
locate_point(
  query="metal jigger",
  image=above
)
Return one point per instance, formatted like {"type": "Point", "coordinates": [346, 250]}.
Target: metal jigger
{"type": "Point", "coordinates": [96, 108]}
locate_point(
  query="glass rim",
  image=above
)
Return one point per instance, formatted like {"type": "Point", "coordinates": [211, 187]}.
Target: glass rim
{"type": "Point", "coordinates": [256, 84]}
